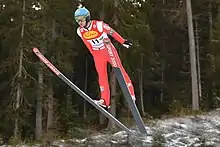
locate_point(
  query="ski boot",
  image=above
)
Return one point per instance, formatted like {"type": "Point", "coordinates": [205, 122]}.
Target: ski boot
{"type": "Point", "coordinates": [101, 103]}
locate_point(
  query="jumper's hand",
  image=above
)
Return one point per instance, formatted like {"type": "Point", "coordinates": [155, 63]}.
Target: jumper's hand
{"type": "Point", "coordinates": [127, 44]}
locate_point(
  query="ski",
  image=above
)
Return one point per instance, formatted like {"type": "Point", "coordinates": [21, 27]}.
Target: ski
{"type": "Point", "coordinates": [80, 92]}
{"type": "Point", "coordinates": [123, 85]}
{"type": "Point", "coordinates": [131, 104]}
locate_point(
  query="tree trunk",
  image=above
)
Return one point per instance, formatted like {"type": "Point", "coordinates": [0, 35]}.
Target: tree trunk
{"type": "Point", "coordinates": [102, 15]}
{"type": "Point", "coordinates": [215, 89]}
{"type": "Point", "coordinates": [210, 21]}
{"type": "Point", "coordinates": [113, 78]}
{"type": "Point", "coordinates": [195, 97]}
{"type": "Point", "coordinates": [38, 129]}
{"type": "Point", "coordinates": [18, 93]}
{"type": "Point", "coordinates": [85, 89]}
{"type": "Point", "coordinates": [50, 106]}
{"type": "Point", "coordinates": [162, 82]}
{"type": "Point", "coordinates": [163, 64]}
{"type": "Point", "coordinates": [102, 12]}
{"type": "Point", "coordinates": [54, 34]}
{"type": "Point", "coordinates": [111, 124]}
{"type": "Point", "coordinates": [198, 58]}
{"type": "Point", "coordinates": [141, 86]}
{"type": "Point", "coordinates": [50, 86]}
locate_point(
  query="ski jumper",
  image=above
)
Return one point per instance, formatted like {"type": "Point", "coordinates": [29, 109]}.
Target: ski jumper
{"type": "Point", "coordinates": [96, 40]}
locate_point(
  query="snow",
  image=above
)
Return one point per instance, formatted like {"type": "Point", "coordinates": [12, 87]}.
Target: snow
{"type": "Point", "coordinates": [173, 132]}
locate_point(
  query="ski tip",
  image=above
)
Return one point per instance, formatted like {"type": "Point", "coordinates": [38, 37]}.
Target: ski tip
{"type": "Point", "coordinates": [35, 50]}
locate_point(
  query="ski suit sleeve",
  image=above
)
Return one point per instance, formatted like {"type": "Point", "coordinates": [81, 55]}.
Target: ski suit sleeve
{"type": "Point", "coordinates": [84, 41]}
{"type": "Point", "coordinates": [107, 29]}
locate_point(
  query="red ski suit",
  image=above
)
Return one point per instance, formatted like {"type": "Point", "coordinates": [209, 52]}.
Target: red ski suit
{"type": "Point", "coordinates": [95, 38]}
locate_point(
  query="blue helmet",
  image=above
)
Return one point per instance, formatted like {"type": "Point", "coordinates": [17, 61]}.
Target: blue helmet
{"type": "Point", "coordinates": [82, 12]}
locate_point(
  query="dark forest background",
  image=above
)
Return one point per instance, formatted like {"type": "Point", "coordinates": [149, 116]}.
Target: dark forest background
{"type": "Point", "coordinates": [34, 101]}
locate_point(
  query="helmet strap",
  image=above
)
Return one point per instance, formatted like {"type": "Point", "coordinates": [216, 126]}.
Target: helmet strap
{"type": "Point", "coordinates": [88, 23]}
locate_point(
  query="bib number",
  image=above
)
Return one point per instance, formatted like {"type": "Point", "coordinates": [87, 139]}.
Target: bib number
{"type": "Point", "coordinates": [95, 41]}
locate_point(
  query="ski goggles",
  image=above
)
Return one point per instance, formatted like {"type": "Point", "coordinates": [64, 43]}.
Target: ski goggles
{"type": "Point", "coordinates": [80, 18]}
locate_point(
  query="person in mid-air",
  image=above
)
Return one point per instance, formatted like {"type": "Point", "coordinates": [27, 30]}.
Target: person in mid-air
{"type": "Point", "coordinates": [94, 34]}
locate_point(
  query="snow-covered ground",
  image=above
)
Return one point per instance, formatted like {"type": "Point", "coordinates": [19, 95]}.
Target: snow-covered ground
{"type": "Point", "coordinates": [189, 131]}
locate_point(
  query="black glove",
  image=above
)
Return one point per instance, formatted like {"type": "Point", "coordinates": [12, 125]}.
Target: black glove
{"type": "Point", "coordinates": [127, 44]}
